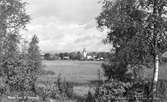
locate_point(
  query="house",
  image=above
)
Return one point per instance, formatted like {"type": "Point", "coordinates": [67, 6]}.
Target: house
{"type": "Point", "coordinates": [89, 57]}
{"type": "Point", "coordinates": [66, 58]}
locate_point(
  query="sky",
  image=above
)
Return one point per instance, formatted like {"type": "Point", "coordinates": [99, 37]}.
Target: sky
{"type": "Point", "coordinates": [65, 25]}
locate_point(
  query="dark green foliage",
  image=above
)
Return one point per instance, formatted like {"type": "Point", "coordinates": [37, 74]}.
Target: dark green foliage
{"type": "Point", "coordinates": [34, 62]}
{"type": "Point", "coordinates": [21, 69]}
{"type": "Point", "coordinates": [156, 23]}
{"type": "Point", "coordinates": [124, 21]}
{"type": "Point", "coordinates": [137, 31]}
{"type": "Point", "coordinates": [75, 55]}
{"type": "Point", "coordinates": [129, 24]}
{"type": "Point", "coordinates": [16, 77]}
{"type": "Point", "coordinates": [34, 58]}
{"type": "Point", "coordinates": [111, 91]}
{"type": "Point", "coordinates": [12, 19]}
{"type": "Point", "coordinates": [59, 89]}
{"type": "Point", "coordinates": [162, 89]}
{"type": "Point", "coordinates": [47, 56]}
{"type": "Point", "coordinates": [90, 98]}
{"type": "Point", "coordinates": [117, 91]}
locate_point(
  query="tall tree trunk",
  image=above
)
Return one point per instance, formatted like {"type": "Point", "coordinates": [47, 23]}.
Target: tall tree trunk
{"type": "Point", "coordinates": [155, 77]}
{"type": "Point", "coordinates": [156, 58]}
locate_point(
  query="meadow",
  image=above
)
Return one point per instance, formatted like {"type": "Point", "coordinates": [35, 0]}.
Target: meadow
{"type": "Point", "coordinates": [74, 71]}
{"type": "Point", "coordinates": [86, 71]}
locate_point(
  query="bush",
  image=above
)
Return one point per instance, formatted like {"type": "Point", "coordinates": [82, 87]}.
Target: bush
{"type": "Point", "coordinates": [57, 89]}
{"type": "Point", "coordinates": [111, 91]}
{"type": "Point", "coordinates": [90, 98]}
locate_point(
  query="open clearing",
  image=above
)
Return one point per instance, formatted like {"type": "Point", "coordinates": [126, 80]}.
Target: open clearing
{"type": "Point", "coordinates": [75, 71]}
{"type": "Point", "coordinates": [85, 71]}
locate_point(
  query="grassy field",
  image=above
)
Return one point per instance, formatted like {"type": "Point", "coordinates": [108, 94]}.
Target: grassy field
{"type": "Point", "coordinates": [74, 71]}
{"type": "Point", "coordinates": [85, 71]}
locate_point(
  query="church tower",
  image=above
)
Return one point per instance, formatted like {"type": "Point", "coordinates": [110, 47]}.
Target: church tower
{"type": "Point", "coordinates": [84, 54]}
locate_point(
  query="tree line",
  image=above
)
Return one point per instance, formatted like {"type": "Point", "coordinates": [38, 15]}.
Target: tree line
{"type": "Point", "coordinates": [75, 55]}
{"type": "Point", "coordinates": [19, 68]}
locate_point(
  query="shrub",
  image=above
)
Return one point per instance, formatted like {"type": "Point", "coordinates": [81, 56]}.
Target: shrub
{"type": "Point", "coordinates": [58, 89]}
{"type": "Point", "coordinates": [111, 91]}
{"type": "Point", "coordinates": [137, 91]}
{"type": "Point", "coordinates": [90, 97]}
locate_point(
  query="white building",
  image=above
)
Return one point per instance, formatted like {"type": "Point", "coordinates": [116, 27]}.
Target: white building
{"type": "Point", "coordinates": [84, 54]}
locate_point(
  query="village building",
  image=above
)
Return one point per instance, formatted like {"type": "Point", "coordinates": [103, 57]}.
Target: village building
{"type": "Point", "coordinates": [84, 54]}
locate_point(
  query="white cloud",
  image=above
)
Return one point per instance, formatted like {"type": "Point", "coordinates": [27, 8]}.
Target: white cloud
{"type": "Point", "coordinates": [65, 25]}
{"type": "Point", "coordinates": [67, 10]}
